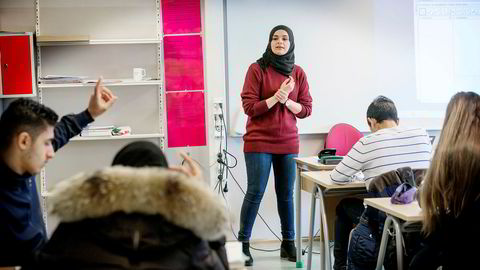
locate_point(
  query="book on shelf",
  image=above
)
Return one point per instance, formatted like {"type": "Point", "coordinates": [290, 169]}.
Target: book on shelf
{"type": "Point", "coordinates": [91, 130]}
{"type": "Point", "coordinates": [105, 81]}
{"type": "Point", "coordinates": [110, 130]}
{"type": "Point", "coordinates": [93, 127]}
{"type": "Point", "coordinates": [96, 133]}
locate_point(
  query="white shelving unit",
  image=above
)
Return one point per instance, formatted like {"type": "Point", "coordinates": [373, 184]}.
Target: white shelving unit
{"type": "Point", "coordinates": [118, 35]}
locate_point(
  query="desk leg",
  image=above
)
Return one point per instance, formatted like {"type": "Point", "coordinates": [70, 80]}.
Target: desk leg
{"type": "Point", "coordinates": [399, 243]}
{"type": "Point", "coordinates": [383, 242]}
{"type": "Point", "coordinates": [324, 223]}
{"type": "Point", "coordinates": [312, 229]}
{"type": "Point", "coordinates": [298, 199]}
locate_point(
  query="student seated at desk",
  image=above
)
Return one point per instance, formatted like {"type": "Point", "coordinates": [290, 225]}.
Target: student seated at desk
{"type": "Point", "coordinates": [137, 218]}
{"type": "Point", "coordinates": [450, 194]}
{"type": "Point", "coordinates": [389, 147]}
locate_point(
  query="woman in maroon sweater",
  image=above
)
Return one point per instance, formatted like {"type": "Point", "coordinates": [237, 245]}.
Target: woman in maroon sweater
{"type": "Point", "coordinates": [275, 94]}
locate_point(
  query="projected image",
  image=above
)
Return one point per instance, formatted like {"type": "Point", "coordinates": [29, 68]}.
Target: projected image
{"type": "Point", "coordinates": [447, 48]}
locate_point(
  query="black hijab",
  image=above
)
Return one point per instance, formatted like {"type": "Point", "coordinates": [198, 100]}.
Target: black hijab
{"type": "Point", "coordinates": [281, 63]}
{"type": "Point", "coordinates": [141, 154]}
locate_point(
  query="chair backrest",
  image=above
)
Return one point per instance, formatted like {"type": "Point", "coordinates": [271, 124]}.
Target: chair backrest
{"type": "Point", "coordinates": [342, 137]}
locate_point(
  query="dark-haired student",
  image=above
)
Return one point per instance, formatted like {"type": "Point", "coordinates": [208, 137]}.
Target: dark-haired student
{"type": "Point", "coordinates": [387, 148]}
{"type": "Point", "coordinates": [29, 137]}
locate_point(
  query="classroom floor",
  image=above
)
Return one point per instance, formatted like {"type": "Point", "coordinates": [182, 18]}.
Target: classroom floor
{"type": "Point", "coordinates": [271, 260]}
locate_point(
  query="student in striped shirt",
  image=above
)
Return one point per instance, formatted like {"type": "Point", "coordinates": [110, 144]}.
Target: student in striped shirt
{"type": "Point", "coordinates": [387, 148]}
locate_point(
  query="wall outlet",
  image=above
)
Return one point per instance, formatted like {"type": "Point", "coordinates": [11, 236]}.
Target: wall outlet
{"type": "Point", "coordinates": [218, 110]}
{"type": "Point", "coordinates": [217, 126]}
{"type": "Point", "coordinates": [217, 101]}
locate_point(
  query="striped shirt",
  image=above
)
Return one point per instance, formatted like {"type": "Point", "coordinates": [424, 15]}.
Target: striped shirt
{"type": "Point", "coordinates": [383, 151]}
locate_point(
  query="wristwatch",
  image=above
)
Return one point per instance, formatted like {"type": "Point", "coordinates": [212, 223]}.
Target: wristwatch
{"type": "Point", "coordinates": [286, 102]}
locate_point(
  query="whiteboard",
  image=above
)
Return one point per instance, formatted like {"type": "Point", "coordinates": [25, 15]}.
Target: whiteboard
{"type": "Point", "coordinates": [351, 51]}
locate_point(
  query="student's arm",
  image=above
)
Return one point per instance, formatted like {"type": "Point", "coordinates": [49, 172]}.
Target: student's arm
{"type": "Point", "coordinates": [71, 125]}
{"type": "Point", "coordinates": [351, 164]}
{"type": "Point", "coordinates": [302, 108]}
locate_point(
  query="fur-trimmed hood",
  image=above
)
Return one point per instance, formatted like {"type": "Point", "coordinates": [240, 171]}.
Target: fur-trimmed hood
{"type": "Point", "coordinates": [179, 199]}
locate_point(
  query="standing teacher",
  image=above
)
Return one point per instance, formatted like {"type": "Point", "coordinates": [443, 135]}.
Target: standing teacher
{"type": "Point", "coordinates": [274, 95]}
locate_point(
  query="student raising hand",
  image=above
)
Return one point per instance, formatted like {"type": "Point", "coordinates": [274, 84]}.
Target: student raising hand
{"type": "Point", "coordinates": [101, 99]}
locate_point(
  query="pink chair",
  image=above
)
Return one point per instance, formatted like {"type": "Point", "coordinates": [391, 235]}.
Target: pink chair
{"type": "Point", "coordinates": [342, 137]}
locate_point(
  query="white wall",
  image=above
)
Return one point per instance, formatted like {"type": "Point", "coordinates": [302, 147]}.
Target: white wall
{"type": "Point", "coordinates": [215, 78]}
{"type": "Point", "coordinates": [216, 88]}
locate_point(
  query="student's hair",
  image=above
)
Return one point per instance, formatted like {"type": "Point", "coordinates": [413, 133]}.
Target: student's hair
{"type": "Point", "coordinates": [24, 115]}
{"type": "Point", "coordinates": [451, 181]}
{"type": "Point", "coordinates": [141, 154]}
{"type": "Point", "coordinates": [382, 108]}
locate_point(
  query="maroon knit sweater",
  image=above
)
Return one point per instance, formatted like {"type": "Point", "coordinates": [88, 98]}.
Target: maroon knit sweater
{"type": "Point", "coordinates": [273, 130]}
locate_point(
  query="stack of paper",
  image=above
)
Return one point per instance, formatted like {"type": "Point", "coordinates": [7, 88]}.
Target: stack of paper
{"type": "Point", "coordinates": [56, 79]}
{"type": "Point", "coordinates": [96, 131]}
{"type": "Point", "coordinates": [105, 81]}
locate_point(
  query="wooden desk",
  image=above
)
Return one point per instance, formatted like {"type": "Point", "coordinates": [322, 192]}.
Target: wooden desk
{"type": "Point", "coordinates": [403, 217]}
{"type": "Point", "coordinates": [324, 187]}
{"type": "Point", "coordinates": [304, 164]}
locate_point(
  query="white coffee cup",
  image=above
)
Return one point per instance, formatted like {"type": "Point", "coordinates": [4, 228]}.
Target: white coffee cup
{"type": "Point", "coordinates": [139, 74]}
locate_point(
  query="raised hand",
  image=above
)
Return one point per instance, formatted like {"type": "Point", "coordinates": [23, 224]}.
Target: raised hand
{"type": "Point", "coordinates": [190, 168]}
{"type": "Point", "coordinates": [101, 99]}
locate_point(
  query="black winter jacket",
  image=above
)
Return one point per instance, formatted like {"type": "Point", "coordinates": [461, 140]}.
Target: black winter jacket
{"type": "Point", "coordinates": [126, 218]}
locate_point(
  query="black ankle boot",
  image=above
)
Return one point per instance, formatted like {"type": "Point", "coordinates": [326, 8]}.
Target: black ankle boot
{"type": "Point", "coordinates": [246, 251]}
{"type": "Point", "coordinates": [288, 250]}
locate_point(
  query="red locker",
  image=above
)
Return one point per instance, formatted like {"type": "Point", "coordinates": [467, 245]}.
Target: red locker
{"type": "Point", "coordinates": [16, 64]}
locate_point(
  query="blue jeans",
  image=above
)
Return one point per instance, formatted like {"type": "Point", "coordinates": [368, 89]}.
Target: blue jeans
{"type": "Point", "coordinates": [258, 170]}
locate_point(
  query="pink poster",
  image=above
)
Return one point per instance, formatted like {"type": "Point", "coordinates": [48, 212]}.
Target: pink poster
{"type": "Point", "coordinates": [186, 119]}
{"type": "Point", "coordinates": [183, 57]}
{"type": "Point", "coordinates": [181, 16]}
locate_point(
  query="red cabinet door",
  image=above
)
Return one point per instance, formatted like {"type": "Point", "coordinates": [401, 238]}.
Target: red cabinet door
{"type": "Point", "coordinates": [16, 65]}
